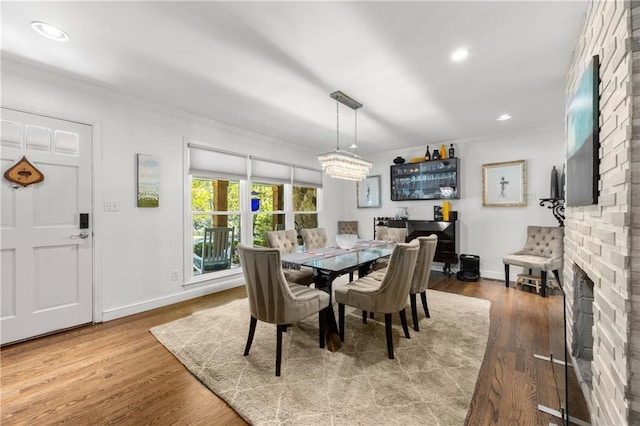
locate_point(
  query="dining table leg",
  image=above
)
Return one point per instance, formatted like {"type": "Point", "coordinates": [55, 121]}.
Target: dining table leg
{"type": "Point", "coordinates": [324, 281]}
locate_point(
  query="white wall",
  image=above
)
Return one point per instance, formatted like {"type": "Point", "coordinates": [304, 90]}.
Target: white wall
{"type": "Point", "coordinates": [490, 232]}
{"type": "Point", "coordinates": [137, 248]}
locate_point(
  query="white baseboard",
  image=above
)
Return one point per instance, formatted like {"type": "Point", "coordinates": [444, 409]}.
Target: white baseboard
{"type": "Point", "coordinates": [192, 293]}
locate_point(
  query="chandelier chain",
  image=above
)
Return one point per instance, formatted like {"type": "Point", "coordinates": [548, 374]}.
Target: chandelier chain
{"type": "Point", "coordinates": [337, 125]}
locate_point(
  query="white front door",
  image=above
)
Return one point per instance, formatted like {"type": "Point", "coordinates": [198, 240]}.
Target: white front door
{"type": "Point", "coordinates": [46, 258]}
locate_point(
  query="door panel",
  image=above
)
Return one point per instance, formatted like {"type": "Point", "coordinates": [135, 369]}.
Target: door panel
{"type": "Point", "coordinates": [47, 269]}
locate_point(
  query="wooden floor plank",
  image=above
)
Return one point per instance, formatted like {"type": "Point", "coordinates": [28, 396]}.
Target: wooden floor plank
{"type": "Point", "coordinates": [118, 373]}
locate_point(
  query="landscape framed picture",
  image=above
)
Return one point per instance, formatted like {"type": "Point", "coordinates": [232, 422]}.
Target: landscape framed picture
{"type": "Point", "coordinates": [583, 140]}
{"type": "Point", "coordinates": [368, 192]}
{"type": "Point", "coordinates": [504, 184]}
{"type": "Point", "coordinates": [148, 180]}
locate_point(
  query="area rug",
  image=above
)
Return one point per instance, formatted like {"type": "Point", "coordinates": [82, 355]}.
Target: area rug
{"type": "Point", "coordinates": [430, 382]}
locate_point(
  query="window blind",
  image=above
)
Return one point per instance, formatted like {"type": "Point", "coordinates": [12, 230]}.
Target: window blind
{"type": "Point", "coordinates": [303, 176]}
{"type": "Point", "coordinates": [207, 162]}
{"type": "Point", "coordinates": [270, 171]}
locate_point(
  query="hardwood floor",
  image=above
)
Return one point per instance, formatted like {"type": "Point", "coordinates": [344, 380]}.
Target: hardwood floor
{"type": "Point", "coordinates": [117, 373]}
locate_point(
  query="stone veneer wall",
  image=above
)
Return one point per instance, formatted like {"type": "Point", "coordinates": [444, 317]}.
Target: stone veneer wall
{"type": "Point", "coordinates": [598, 237]}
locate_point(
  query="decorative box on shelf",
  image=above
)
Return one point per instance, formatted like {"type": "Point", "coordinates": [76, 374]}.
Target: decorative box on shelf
{"type": "Point", "coordinates": [428, 180]}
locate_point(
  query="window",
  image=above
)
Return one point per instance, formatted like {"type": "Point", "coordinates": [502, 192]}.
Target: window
{"type": "Point", "coordinates": [232, 198]}
{"type": "Point", "coordinates": [305, 207]}
{"type": "Point", "coordinates": [267, 205]}
{"type": "Point", "coordinates": [215, 205]}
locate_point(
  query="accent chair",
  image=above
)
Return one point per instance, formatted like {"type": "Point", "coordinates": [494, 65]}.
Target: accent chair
{"type": "Point", "coordinates": [542, 251]}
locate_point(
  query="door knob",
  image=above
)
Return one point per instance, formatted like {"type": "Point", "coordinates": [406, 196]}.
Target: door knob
{"type": "Point", "coordinates": [83, 235]}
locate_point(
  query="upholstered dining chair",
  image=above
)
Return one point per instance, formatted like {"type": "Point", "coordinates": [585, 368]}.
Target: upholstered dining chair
{"type": "Point", "coordinates": [314, 238]}
{"type": "Point", "coordinates": [394, 235]}
{"type": "Point", "coordinates": [421, 275]}
{"type": "Point", "coordinates": [386, 296]}
{"type": "Point", "coordinates": [273, 300]}
{"type": "Point", "coordinates": [287, 242]}
{"type": "Point", "coordinates": [348, 227]}
{"type": "Point", "coordinates": [542, 251]}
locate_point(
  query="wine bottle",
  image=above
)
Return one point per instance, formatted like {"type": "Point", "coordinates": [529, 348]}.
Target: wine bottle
{"type": "Point", "coordinates": [452, 152]}
{"type": "Point", "coordinates": [427, 155]}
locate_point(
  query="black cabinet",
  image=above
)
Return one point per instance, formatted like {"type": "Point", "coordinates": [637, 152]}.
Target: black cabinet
{"type": "Point", "coordinates": [447, 247]}
{"type": "Point", "coordinates": [429, 180]}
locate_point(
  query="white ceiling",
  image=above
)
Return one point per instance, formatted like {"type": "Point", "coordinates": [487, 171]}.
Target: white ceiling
{"type": "Point", "coordinates": [269, 67]}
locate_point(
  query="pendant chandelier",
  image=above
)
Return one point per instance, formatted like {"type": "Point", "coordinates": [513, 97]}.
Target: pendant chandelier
{"type": "Point", "coordinates": [342, 164]}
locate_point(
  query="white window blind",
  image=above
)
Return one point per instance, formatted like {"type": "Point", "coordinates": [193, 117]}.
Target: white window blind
{"type": "Point", "coordinates": [270, 171]}
{"type": "Point", "coordinates": [208, 162]}
{"type": "Point", "coordinates": [303, 176]}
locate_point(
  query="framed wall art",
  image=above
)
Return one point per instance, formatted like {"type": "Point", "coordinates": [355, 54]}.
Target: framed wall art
{"type": "Point", "coordinates": [148, 180]}
{"type": "Point", "coordinates": [504, 184]}
{"type": "Point", "coordinates": [583, 140]}
{"type": "Point", "coordinates": [368, 192]}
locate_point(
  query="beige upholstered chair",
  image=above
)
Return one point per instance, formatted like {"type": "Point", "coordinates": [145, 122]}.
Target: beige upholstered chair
{"type": "Point", "coordinates": [287, 242]}
{"type": "Point", "coordinates": [421, 275]}
{"type": "Point", "coordinates": [394, 235]}
{"type": "Point", "coordinates": [314, 238]}
{"type": "Point", "coordinates": [348, 227]}
{"type": "Point", "coordinates": [386, 296]}
{"type": "Point", "coordinates": [272, 299]}
{"type": "Point", "coordinates": [542, 251]}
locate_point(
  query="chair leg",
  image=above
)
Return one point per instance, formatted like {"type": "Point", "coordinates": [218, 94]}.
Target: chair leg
{"type": "Point", "coordinates": [423, 296]}
{"type": "Point", "coordinates": [543, 283]}
{"type": "Point", "coordinates": [364, 317]}
{"type": "Point", "coordinates": [506, 275]}
{"type": "Point", "coordinates": [281, 329]}
{"type": "Point", "coordinates": [252, 331]}
{"type": "Point", "coordinates": [387, 326]}
{"type": "Point", "coordinates": [341, 321]}
{"type": "Point", "coordinates": [371, 315]}
{"type": "Point", "coordinates": [322, 321]}
{"type": "Point", "coordinates": [557, 275]}
{"type": "Point", "coordinates": [414, 312]}
{"type": "Point", "coordinates": [403, 321]}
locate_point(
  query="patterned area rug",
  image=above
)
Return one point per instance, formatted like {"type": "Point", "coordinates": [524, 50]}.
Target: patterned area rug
{"type": "Point", "coordinates": [430, 382]}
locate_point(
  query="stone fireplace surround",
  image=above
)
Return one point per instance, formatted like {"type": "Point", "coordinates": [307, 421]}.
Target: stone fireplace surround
{"type": "Point", "coordinates": [602, 240]}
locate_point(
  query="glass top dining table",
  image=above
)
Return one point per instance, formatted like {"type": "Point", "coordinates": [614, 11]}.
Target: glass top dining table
{"type": "Point", "coordinates": [338, 260]}
{"type": "Point", "coordinates": [331, 262]}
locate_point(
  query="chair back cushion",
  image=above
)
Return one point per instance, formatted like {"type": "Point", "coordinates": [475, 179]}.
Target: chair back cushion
{"type": "Point", "coordinates": [348, 227]}
{"type": "Point", "coordinates": [395, 235]}
{"type": "Point", "coordinates": [314, 238]}
{"type": "Point", "coordinates": [286, 241]}
{"type": "Point", "coordinates": [544, 241]}
{"type": "Point", "coordinates": [421, 274]}
{"type": "Point", "coordinates": [271, 298]}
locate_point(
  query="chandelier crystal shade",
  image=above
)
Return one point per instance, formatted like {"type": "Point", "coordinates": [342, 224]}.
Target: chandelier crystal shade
{"type": "Point", "coordinates": [342, 164]}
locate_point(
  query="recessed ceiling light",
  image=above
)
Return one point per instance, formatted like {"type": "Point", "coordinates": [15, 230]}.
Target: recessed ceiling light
{"type": "Point", "coordinates": [353, 146]}
{"type": "Point", "coordinates": [504, 117]}
{"type": "Point", "coordinates": [460, 54]}
{"type": "Point", "coordinates": [49, 31]}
